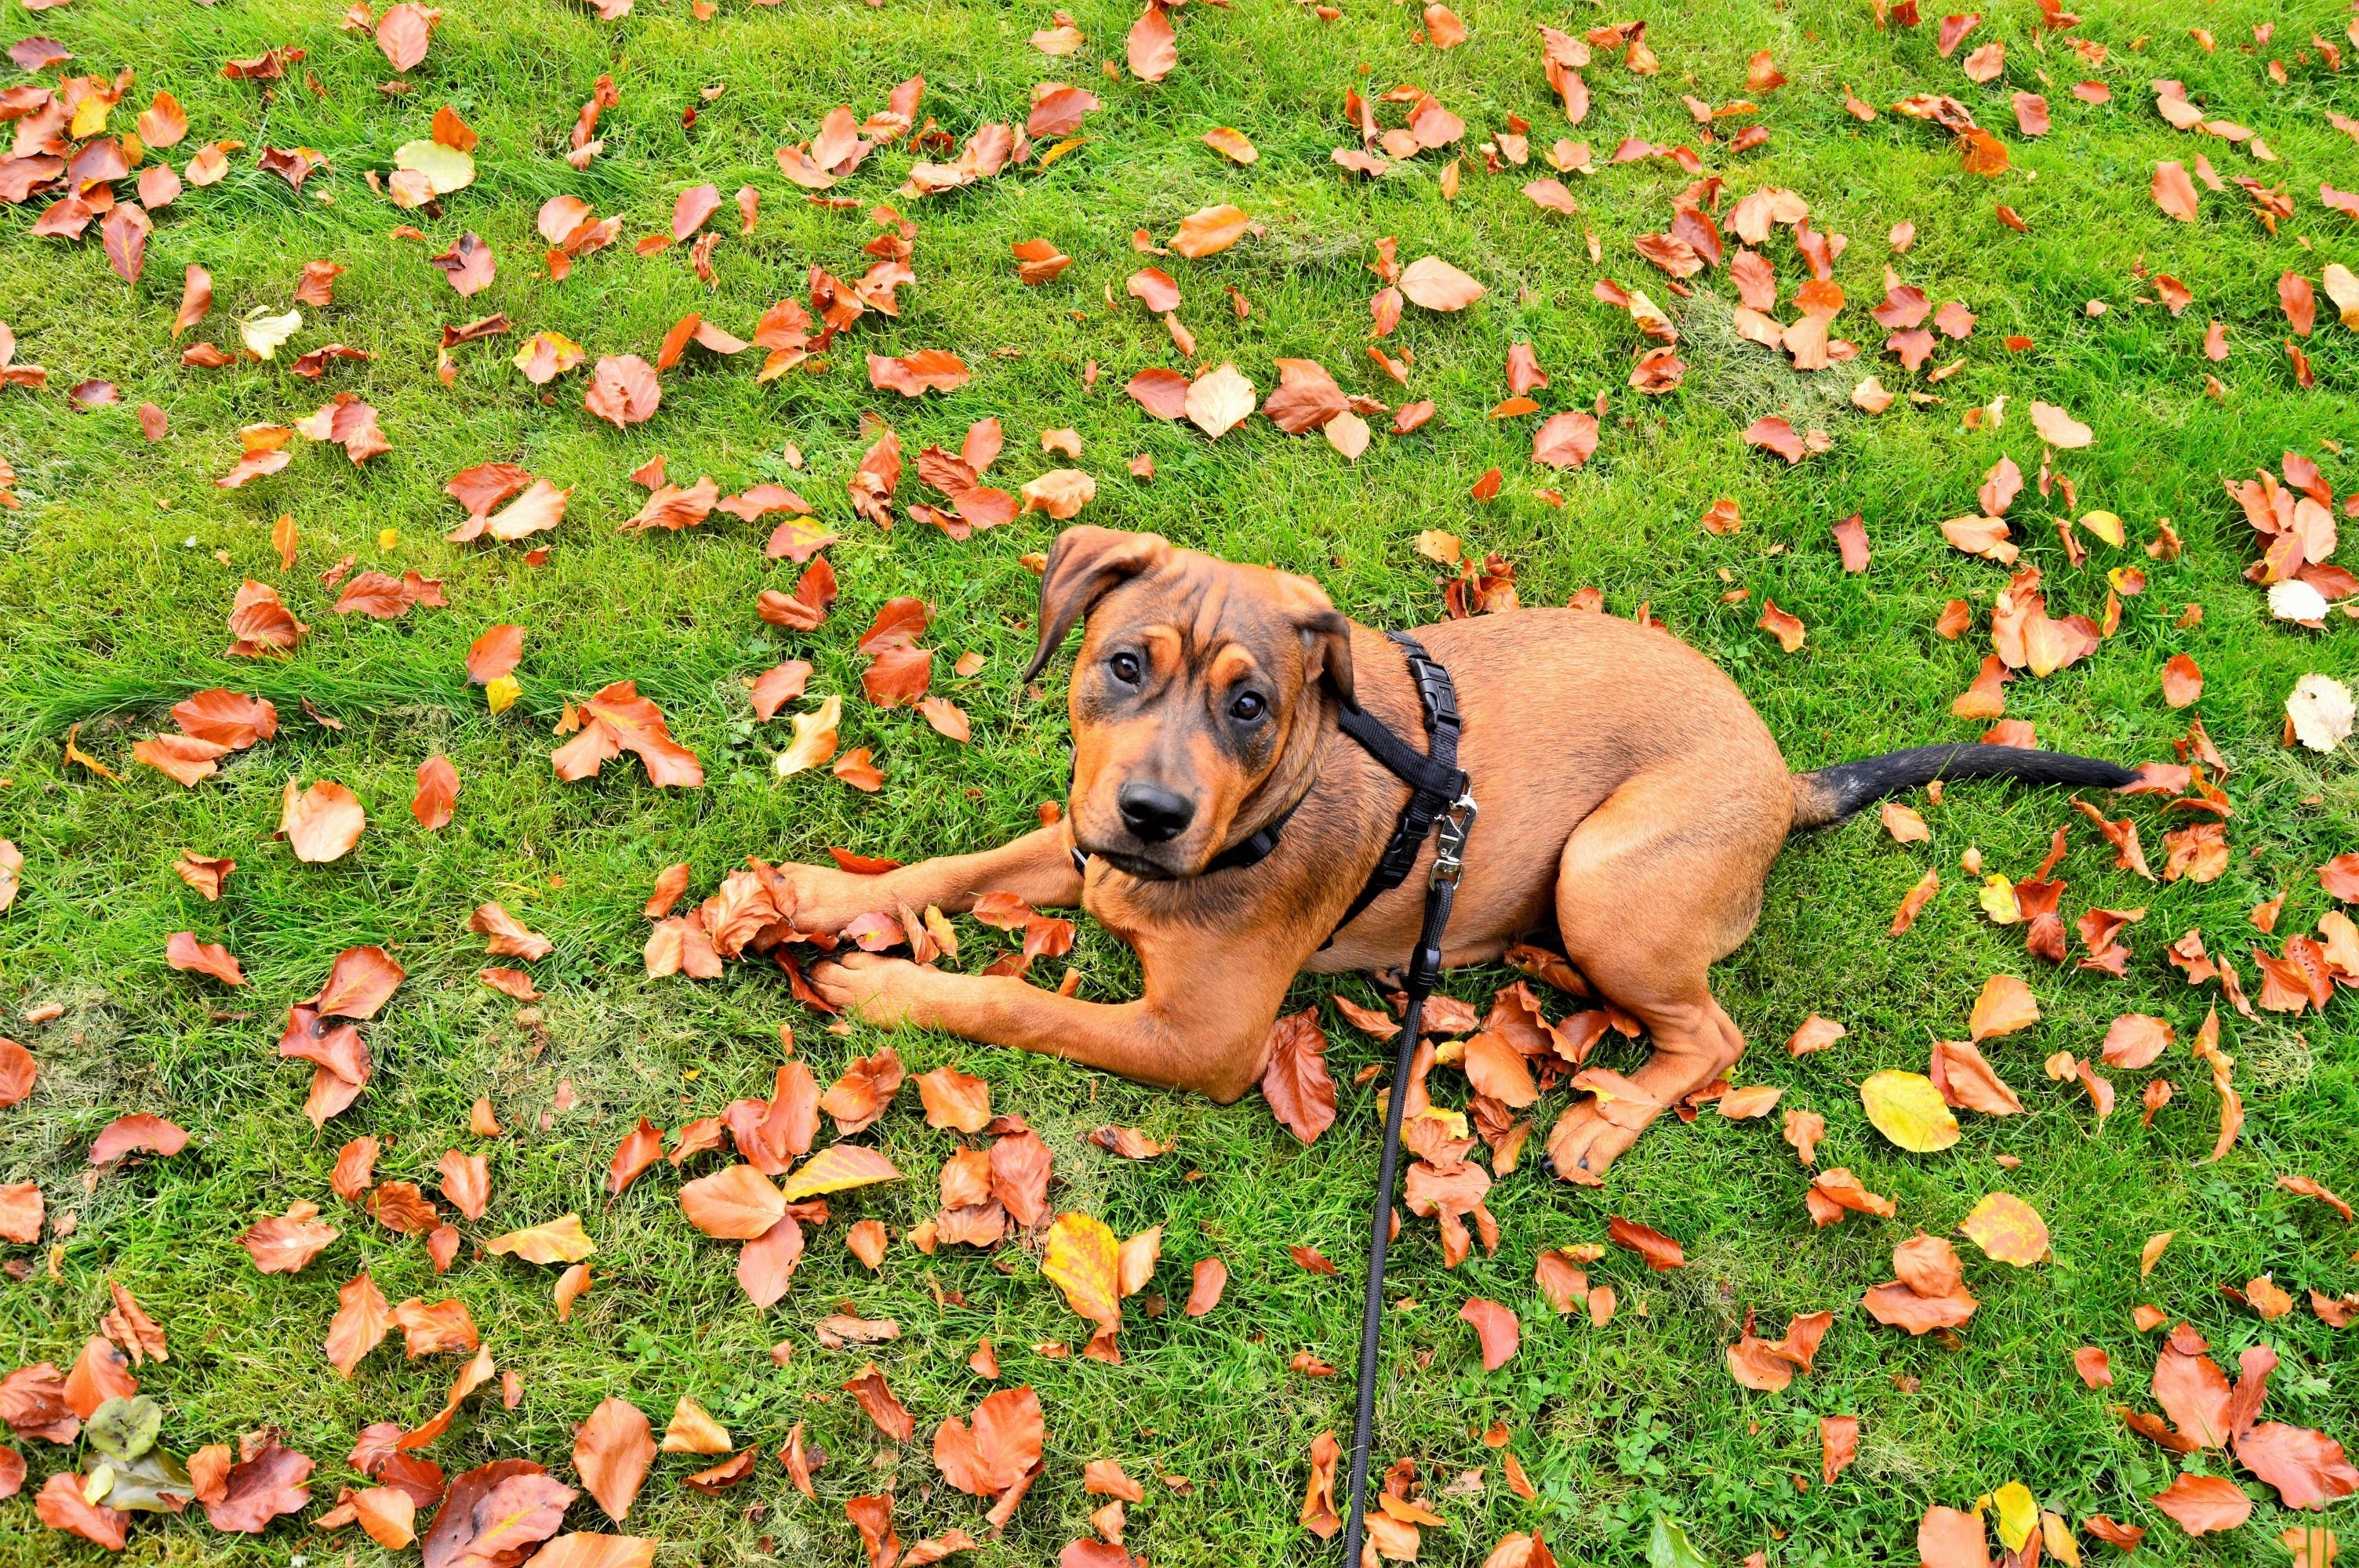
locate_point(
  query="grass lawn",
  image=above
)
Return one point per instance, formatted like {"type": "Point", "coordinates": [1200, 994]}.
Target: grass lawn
{"type": "Point", "coordinates": [119, 567]}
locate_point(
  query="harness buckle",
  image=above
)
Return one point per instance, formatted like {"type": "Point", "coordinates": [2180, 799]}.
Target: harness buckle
{"type": "Point", "coordinates": [1450, 841]}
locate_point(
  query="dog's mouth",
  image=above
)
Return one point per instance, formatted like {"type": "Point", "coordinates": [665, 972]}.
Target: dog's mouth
{"type": "Point", "coordinates": [1136, 865]}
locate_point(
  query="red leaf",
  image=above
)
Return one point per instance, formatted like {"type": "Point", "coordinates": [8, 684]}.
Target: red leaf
{"type": "Point", "coordinates": [1660, 1251]}
{"type": "Point", "coordinates": [150, 1134]}
{"type": "Point", "coordinates": [1497, 1327]}
{"type": "Point", "coordinates": [1300, 1094]}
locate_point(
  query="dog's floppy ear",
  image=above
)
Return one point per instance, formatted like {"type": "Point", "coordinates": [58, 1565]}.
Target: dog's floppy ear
{"type": "Point", "coordinates": [1085, 566]}
{"type": "Point", "coordinates": [1326, 635]}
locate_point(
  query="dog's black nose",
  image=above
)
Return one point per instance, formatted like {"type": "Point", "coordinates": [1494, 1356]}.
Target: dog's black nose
{"type": "Point", "coordinates": [1153, 814]}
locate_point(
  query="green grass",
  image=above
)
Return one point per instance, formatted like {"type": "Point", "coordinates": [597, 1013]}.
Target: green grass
{"type": "Point", "coordinates": [115, 602]}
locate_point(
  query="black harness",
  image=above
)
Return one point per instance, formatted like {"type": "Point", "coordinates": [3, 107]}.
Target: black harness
{"type": "Point", "coordinates": [1439, 793]}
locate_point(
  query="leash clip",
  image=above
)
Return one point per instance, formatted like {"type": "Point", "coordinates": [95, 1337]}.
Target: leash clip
{"type": "Point", "coordinates": [1450, 841]}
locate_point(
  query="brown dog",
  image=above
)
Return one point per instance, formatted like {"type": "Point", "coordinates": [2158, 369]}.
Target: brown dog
{"type": "Point", "coordinates": [1630, 799]}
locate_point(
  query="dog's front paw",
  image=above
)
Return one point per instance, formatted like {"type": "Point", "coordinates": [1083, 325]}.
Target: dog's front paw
{"type": "Point", "coordinates": [871, 988]}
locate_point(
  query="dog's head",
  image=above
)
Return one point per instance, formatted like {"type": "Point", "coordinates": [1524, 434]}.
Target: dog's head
{"type": "Point", "coordinates": [1198, 682]}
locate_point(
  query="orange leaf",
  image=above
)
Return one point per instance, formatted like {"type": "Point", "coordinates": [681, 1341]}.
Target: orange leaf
{"type": "Point", "coordinates": [561, 1240]}
{"type": "Point", "coordinates": [839, 1169]}
{"type": "Point", "coordinates": [737, 1203]}
{"type": "Point", "coordinates": [612, 1452]}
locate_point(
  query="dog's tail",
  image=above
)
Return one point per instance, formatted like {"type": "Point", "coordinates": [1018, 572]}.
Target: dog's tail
{"type": "Point", "coordinates": [1827, 795]}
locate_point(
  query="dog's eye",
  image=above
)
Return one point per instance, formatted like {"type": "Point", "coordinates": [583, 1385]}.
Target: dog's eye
{"type": "Point", "coordinates": [1124, 667]}
{"type": "Point", "coordinates": [1247, 708]}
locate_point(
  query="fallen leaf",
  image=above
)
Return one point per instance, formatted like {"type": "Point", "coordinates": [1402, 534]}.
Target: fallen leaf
{"type": "Point", "coordinates": [2007, 1229]}
{"type": "Point", "coordinates": [1908, 1109]}
{"type": "Point", "coordinates": [611, 1452]}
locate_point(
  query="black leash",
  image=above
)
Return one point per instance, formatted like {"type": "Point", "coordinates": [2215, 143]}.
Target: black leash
{"type": "Point", "coordinates": [1429, 776]}
{"type": "Point", "coordinates": [1424, 968]}
{"type": "Point", "coordinates": [1439, 796]}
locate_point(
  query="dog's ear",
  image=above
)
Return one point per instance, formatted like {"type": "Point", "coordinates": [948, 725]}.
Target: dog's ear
{"type": "Point", "coordinates": [1085, 566]}
{"type": "Point", "coordinates": [1326, 636]}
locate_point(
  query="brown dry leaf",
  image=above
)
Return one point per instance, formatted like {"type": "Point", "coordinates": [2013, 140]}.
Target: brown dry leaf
{"type": "Point", "coordinates": [623, 390]}
{"type": "Point", "coordinates": [1496, 1327]}
{"type": "Point", "coordinates": [999, 1450]}
{"type": "Point", "coordinates": [913, 375]}
{"type": "Point", "coordinates": [437, 798]}
{"type": "Point", "coordinates": [2004, 1007]}
{"type": "Point", "coordinates": [2202, 1505]}
{"type": "Point", "coordinates": [883, 1409]}
{"type": "Point", "coordinates": [1660, 1252]}
{"type": "Point", "coordinates": [1436, 284]}
{"type": "Point", "coordinates": [1153, 47]}
{"type": "Point", "coordinates": [1319, 1512]}
{"type": "Point", "coordinates": [322, 822]}
{"type": "Point", "coordinates": [618, 720]}
{"type": "Point", "coordinates": [572, 1286]}
{"type": "Point", "coordinates": [467, 1182]}
{"type": "Point", "coordinates": [1296, 1084]}
{"type": "Point", "coordinates": [693, 1431]}
{"type": "Point", "coordinates": [736, 1202]}
{"type": "Point", "coordinates": [141, 1337]}
{"type": "Point", "coordinates": [2174, 192]}
{"type": "Point", "coordinates": [1209, 231]}
{"type": "Point", "coordinates": [282, 1244]}
{"type": "Point", "coordinates": [955, 1100]}
{"type": "Point", "coordinates": [1743, 1105]}
{"type": "Point", "coordinates": [1815, 1034]}
{"type": "Point", "coordinates": [262, 1484]}
{"type": "Point", "coordinates": [610, 1454]}
{"type": "Point", "coordinates": [1211, 1277]}
{"type": "Point", "coordinates": [1216, 402]}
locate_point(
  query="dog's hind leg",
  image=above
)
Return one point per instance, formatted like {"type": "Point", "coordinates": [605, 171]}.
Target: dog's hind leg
{"type": "Point", "coordinates": [1658, 884]}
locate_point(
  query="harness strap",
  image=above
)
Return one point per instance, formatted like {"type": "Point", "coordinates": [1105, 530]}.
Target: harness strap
{"type": "Point", "coordinates": [1434, 778]}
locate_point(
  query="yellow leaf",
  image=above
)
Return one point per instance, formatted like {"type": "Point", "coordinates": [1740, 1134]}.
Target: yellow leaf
{"type": "Point", "coordinates": [2105, 526]}
{"type": "Point", "coordinates": [2151, 1253]}
{"type": "Point", "coordinates": [1998, 901]}
{"type": "Point", "coordinates": [387, 538]}
{"type": "Point", "coordinates": [561, 1240]}
{"type": "Point", "coordinates": [445, 168]}
{"type": "Point", "coordinates": [839, 1168]}
{"type": "Point", "coordinates": [1907, 1109]}
{"type": "Point", "coordinates": [2018, 1513]}
{"type": "Point", "coordinates": [263, 333]}
{"type": "Point", "coordinates": [1068, 145]}
{"type": "Point", "coordinates": [1231, 144]}
{"type": "Point", "coordinates": [2059, 1537]}
{"type": "Point", "coordinates": [1085, 1262]}
{"type": "Point", "coordinates": [2007, 1229]}
{"type": "Point", "coordinates": [90, 116]}
{"type": "Point", "coordinates": [814, 738]}
{"type": "Point", "coordinates": [502, 692]}
{"type": "Point", "coordinates": [1436, 545]}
